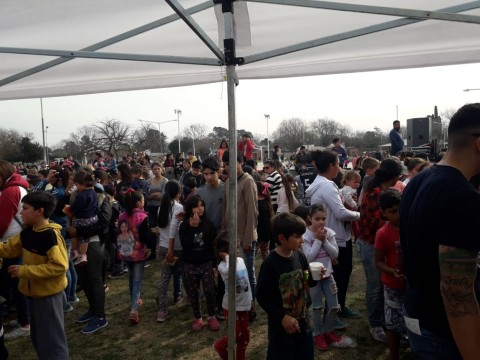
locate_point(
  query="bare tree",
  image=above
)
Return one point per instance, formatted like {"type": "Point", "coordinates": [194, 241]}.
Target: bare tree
{"type": "Point", "coordinates": [195, 132]}
{"type": "Point", "coordinates": [325, 130]}
{"type": "Point", "coordinates": [291, 133]}
{"type": "Point", "coordinates": [112, 136]}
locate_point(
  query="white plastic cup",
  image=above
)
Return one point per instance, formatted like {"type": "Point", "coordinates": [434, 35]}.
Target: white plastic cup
{"type": "Point", "coordinates": [316, 269]}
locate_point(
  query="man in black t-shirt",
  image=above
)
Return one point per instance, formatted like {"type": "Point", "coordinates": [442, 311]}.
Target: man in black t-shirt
{"type": "Point", "coordinates": [439, 220]}
{"type": "Point", "coordinates": [307, 177]}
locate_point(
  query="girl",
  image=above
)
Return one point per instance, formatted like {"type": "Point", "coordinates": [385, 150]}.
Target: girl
{"type": "Point", "coordinates": [83, 212]}
{"type": "Point", "coordinates": [197, 234]}
{"type": "Point", "coordinates": [265, 213]}
{"type": "Point", "coordinates": [286, 201]}
{"type": "Point", "coordinates": [221, 149]}
{"type": "Point", "coordinates": [351, 183]}
{"type": "Point", "coordinates": [320, 246]}
{"type": "Point", "coordinates": [134, 221]}
{"type": "Point", "coordinates": [170, 215]}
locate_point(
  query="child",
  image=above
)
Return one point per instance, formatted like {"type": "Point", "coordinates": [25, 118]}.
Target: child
{"type": "Point", "coordinates": [282, 291]}
{"type": "Point", "coordinates": [369, 165]}
{"type": "Point", "coordinates": [265, 213]}
{"type": "Point", "coordinates": [319, 245]}
{"type": "Point", "coordinates": [197, 234]}
{"type": "Point", "coordinates": [388, 261]}
{"type": "Point", "coordinates": [83, 212]}
{"type": "Point", "coordinates": [139, 183]}
{"type": "Point", "coordinates": [286, 200]}
{"type": "Point", "coordinates": [190, 187]}
{"type": "Point", "coordinates": [169, 217]}
{"type": "Point", "coordinates": [243, 300]}
{"type": "Point", "coordinates": [132, 246]}
{"type": "Point", "coordinates": [42, 278]}
{"type": "Point", "coordinates": [351, 183]}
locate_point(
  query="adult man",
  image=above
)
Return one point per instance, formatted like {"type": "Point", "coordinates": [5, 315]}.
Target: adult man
{"type": "Point", "coordinates": [396, 139]}
{"type": "Point", "coordinates": [302, 158]}
{"type": "Point", "coordinates": [438, 231]}
{"type": "Point", "coordinates": [247, 215]}
{"type": "Point", "coordinates": [245, 147]}
{"type": "Point", "coordinates": [274, 179]}
{"type": "Point", "coordinates": [340, 150]}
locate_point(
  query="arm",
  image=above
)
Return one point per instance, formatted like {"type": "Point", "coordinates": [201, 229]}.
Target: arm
{"type": "Point", "coordinates": [330, 245]}
{"type": "Point", "coordinates": [457, 277]}
{"type": "Point", "coordinates": [144, 233]}
{"type": "Point", "coordinates": [9, 206]}
{"type": "Point", "coordinates": [251, 202]}
{"type": "Point", "coordinates": [334, 203]}
{"type": "Point", "coordinates": [56, 265]}
{"type": "Point", "coordinates": [12, 248]}
{"type": "Point", "coordinates": [282, 201]}
{"type": "Point", "coordinates": [268, 293]}
{"type": "Point", "coordinates": [311, 249]}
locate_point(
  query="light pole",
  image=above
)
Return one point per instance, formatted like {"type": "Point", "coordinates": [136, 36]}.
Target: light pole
{"type": "Point", "coordinates": [178, 112]}
{"type": "Point", "coordinates": [43, 131]}
{"type": "Point", "coordinates": [46, 144]}
{"type": "Point", "coordinates": [159, 130]}
{"type": "Point", "coordinates": [192, 129]}
{"type": "Point", "coordinates": [267, 117]}
{"type": "Point", "coordinates": [467, 90]}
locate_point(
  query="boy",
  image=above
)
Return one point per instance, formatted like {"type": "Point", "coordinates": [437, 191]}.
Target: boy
{"type": "Point", "coordinates": [369, 166]}
{"type": "Point", "coordinates": [42, 278]}
{"type": "Point", "coordinates": [282, 291]}
{"type": "Point", "coordinates": [388, 261]}
{"type": "Point", "coordinates": [243, 300]}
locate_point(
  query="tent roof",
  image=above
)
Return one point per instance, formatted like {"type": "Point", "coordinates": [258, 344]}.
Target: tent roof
{"type": "Point", "coordinates": [329, 40]}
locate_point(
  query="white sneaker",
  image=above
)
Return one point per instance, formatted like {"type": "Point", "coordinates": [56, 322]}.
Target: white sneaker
{"type": "Point", "coordinates": [18, 332]}
{"type": "Point", "coordinates": [378, 333]}
{"type": "Point", "coordinates": [13, 323]}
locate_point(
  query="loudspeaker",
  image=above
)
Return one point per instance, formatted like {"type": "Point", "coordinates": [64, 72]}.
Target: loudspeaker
{"type": "Point", "coordinates": [421, 131]}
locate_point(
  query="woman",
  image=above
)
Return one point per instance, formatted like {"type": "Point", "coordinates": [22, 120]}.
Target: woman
{"type": "Point", "coordinates": [286, 201]}
{"type": "Point", "coordinates": [386, 176]}
{"type": "Point", "coordinates": [12, 189]}
{"type": "Point", "coordinates": [323, 190]}
{"type": "Point", "coordinates": [178, 165]}
{"type": "Point", "coordinates": [221, 149]}
{"type": "Point", "coordinates": [169, 165]}
{"type": "Point", "coordinates": [154, 199]}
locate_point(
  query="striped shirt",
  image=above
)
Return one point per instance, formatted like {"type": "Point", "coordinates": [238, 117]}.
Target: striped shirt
{"type": "Point", "coordinates": [275, 182]}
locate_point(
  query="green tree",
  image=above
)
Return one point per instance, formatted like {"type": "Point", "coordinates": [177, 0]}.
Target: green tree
{"type": "Point", "coordinates": [30, 151]}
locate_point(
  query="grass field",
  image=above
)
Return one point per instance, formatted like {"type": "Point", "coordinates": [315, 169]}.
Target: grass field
{"type": "Point", "coordinates": [174, 339]}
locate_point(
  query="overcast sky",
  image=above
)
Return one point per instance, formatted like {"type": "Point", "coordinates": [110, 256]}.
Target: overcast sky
{"type": "Point", "coordinates": [361, 100]}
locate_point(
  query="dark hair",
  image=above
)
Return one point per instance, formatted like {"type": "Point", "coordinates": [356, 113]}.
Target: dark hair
{"type": "Point", "coordinates": [287, 179]}
{"type": "Point", "coordinates": [475, 181]}
{"type": "Point", "coordinates": [335, 140]}
{"type": "Point", "coordinates": [247, 169]}
{"type": "Point", "coordinates": [412, 163]}
{"type": "Point", "coordinates": [370, 163]}
{"type": "Point", "coordinates": [389, 198]}
{"type": "Point", "coordinates": [270, 163]}
{"type": "Point", "coordinates": [317, 207]}
{"type": "Point", "coordinates": [396, 122]}
{"type": "Point", "coordinates": [6, 170]}
{"type": "Point", "coordinates": [222, 243]}
{"type": "Point", "coordinates": [287, 224]}
{"type": "Point", "coordinates": [130, 199]}
{"type": "Point", "coordinates": [125, 174]}
{"type": "Point", "coordinates": [226, 156]}
{"type": "Point", "coordinates": [388, 170]}
{"type": "Point", "coordinates": [191, 203]}
{"type": "Point", "coordinates": [63, 175]}
{"type": "Point", "coordinates": [41, 200]}
{"type": "Point", "coordinates": [323, 159]}
{"type": "Point", "coordinates": [252, 163]}
{"type": "Point", "coordinates": [268, 200]}
{"type": "Point", "coordinates": [157, 164]}
{"type": "Point", "coordinates": [211, 163]}
{"type": "Point", "coordinates": [137, 169]}
{"type": "Point", "coordinates": [109, 189]}
{"type": "Point", "coordinates": [101, 175]}
{"type": "Point", "coordinates": [171, 190]}
{"type": "Point", "coordinates": [83, 177]}
{"type": "Point", "coordinates": [197, 164]}
{"type": "Point", "coordinates": [223, 142]}
{"type": "Point", "coordinates": [303, 212]}
{"type": "Point", "coordinates": [464, 121]}
{"type": "Point", "coordinates": [191, 182]}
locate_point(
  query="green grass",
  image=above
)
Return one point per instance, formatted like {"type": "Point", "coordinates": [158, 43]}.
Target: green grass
{"type": "Point", "coordinates": [174, 339]}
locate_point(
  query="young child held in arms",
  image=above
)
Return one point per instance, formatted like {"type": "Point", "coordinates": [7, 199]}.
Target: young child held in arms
{"type": "Point", "coordinates": [42, 278]}
{"type": "Point", "coordinates": [83, 212]}
{"type": "Point", "coordinates": [388, 261]}
{"type": "Point", "coordinates": [321, 246]}
{"type": "Point", "coordinates": [282, 291]}
{"type": "Point", "coordinates": [243, 300]}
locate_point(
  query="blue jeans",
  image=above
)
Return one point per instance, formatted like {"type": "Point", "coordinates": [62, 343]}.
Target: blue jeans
{"type": "Point", "coordinates": [325, 288]}
{"type": "Point", "coordinates": [135, 276]}
{"type": "Point", "coordinates": [249, 260]}
{"type": "Point", "coordinates": [374, 290]}
{"type": "Point", "coordinates": [431, 347]}
{"type": "Point", "coordinates": [72, 277]}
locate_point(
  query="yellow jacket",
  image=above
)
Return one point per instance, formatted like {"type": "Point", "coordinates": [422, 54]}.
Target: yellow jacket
{"type": "Point", "coordinates": [45, 260]}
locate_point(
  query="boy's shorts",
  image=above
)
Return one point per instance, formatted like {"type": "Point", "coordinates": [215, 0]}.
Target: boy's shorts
{"type": "Point", "coordinates": [394, 299]}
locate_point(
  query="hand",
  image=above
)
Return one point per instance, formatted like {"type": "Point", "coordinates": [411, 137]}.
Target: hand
{"type": "Point", "coordinates": [290, 325]}
{"type": "Point", "coordinates": [194, 221]}
{"type": "Point", "coordinates": [13, 270]}
{"type": "Point", "coordinates": [397, 273]}
{"type": "Point", "coordinates": [52, 175]}
{"type": "Point", "coordinates": [180, 216]}
{"type": "Point", "coordinates": [321, 234]}
{"type": "Point", "coordinates": [169, 258]}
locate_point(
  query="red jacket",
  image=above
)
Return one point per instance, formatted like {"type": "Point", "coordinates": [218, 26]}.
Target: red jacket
{"type": "Point", "coordinates": [246, 149]}
{"type": "Point", "coordinates": [9, 199]}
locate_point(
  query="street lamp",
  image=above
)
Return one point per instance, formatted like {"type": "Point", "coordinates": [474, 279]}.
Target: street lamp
{"type": "Point", "coordinates": [46, 144]}
{"type": "Point", "coordinates": [178, 112]}
{"type": "Point", "coordinates": [159, 130]}
{"type": "Point", "coordinates": [192, 129]}
{"type": "Point", "coordinates": [267, 117]}
{"type": "Point", "coordinates": [467, 90]}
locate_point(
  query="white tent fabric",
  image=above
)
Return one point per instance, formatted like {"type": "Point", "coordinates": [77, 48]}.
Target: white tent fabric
{"type": "Point", "coordinates": [59, 27]}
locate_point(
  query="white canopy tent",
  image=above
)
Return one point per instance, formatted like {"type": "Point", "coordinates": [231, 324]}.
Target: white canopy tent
{"type": "Point", "coordinates": [56, 48]}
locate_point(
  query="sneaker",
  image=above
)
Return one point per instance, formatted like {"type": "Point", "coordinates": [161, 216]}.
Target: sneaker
{"type": "Point", "coordinates": [220, 350]}
{"type": "Point", "coordinates": [213, 323]}
{"type": "Point", "coordinates": [197, 324]}
{"type": "Point", "coordinates": [340, 325]}
{"type": "Point", "coordinates": [219, 314]}
{"type": "Point", "coordinates": [339, 341]}
{"type": "Point", "coordinates": [95, 324]}
{"type": "Point", "coordinates": [134, 318]}
{"type": "Point", "coordinates": [349, 313]}
{"type": "Point", "coordinates": [13, 323]}
{"type": "Point", "coordinates": [146, 265]}
{"type": "Point", "coordinates": [252, 315]}
{"type": "Point", "coordinates": [178, 300]}
{"type": "Point", "coordinates": [68, 308]}
{"type": "Point", "coordinates": [85, 317]}
{"type": "Point", "coordinates": [18, 332]}
{"type": "Point", "coordinates": [75, 299]}
{"type": "Point", "coordinates": [320, 342]}
{"type": "Point", "coordinates": [164, 315]}
{"type": "Point", "coordinates": [378, 333]}
{"type": "Point", "coordinates": [81, 260]}
{"type": "Point", "coordinates": [116, 275]}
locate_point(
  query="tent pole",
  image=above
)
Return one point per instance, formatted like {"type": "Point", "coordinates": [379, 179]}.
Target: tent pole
{"type": "Point", "coordinates": [43, 132]}
{"type": "Point", "coordinates": [229, 54]}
